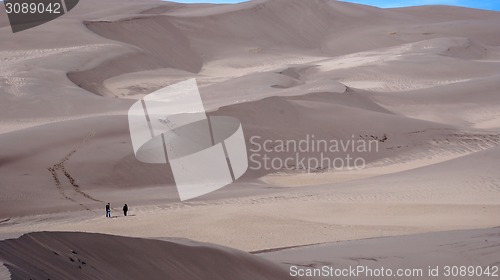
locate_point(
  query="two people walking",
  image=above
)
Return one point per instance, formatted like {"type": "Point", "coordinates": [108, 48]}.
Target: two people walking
{"type": "Point", "coordinates": [108, 210]}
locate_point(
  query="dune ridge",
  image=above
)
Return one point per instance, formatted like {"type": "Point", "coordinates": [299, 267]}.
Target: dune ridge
{"type": "Point", "coordinates": [65, 255]}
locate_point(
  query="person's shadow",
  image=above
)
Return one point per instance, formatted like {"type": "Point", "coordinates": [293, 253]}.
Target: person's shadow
{"type": "Point", "coordinates": [114, 217]}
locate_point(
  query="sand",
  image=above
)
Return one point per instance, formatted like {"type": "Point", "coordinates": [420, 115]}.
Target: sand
{"type": "Point", "coordinates": [97, 256]}
{"type": "Point", "coordinates": [418, 255]}
{"type": "Point", "coordinates": [422, 82]}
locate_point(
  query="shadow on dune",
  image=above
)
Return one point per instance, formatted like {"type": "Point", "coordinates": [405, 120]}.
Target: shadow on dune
{"type": "Point", "coordinates": [73, 255]}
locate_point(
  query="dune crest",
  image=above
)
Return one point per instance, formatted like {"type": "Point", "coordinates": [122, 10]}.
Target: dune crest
{"type": "Point", "coordinates": [79, 256]}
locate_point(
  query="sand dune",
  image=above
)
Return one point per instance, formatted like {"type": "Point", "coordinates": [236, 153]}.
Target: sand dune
{"type": "Point", "coordinates": [58, 255]}
{"type": "Point", "coordinates": [25, 163]}
{"type": "Point", "coordinates": [413, 201]}
{"type": "Point", "coordinates": [277, 26]}
{"type": "Point", "coordinates": [248, 74]}
{"type": "Point", "coordinates": [422, 82]}
{"type": "Point", "coordinates": [453, 248]}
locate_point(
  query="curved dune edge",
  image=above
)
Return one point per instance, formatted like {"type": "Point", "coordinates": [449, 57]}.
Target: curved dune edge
{"type": "Point", "coordinates": [478, 247]}
{"type": "Point", "coordinates": [4, 272]}
{"type": "Point", "coordinates": [75, 255]}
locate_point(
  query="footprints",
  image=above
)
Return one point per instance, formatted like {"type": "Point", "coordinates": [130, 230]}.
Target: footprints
{"type": "Point", "coordinates": [60, 167]}
{"type": "Point", "coordinates": [446, 145]}
{"type": "Point", "coordinates": [382, 138]}
{"type": "Point", "coordinates": [73, 259]}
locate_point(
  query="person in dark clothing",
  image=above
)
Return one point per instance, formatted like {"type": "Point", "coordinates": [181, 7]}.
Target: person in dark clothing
{"type": "Point", "coordinates": [125, 209]}
{"type": "Point", "coordinates": [108, 210]}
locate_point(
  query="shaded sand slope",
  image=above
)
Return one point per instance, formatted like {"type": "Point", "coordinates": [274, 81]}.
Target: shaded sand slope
{"type": "Point", "coordinates": [451, 248]}
{"type": "Point", "coordinates": [57, 255]}
{"type": "Point", "coordinates": [97, 153]}
{"type": "Point", "coordinates": [170, 48]}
